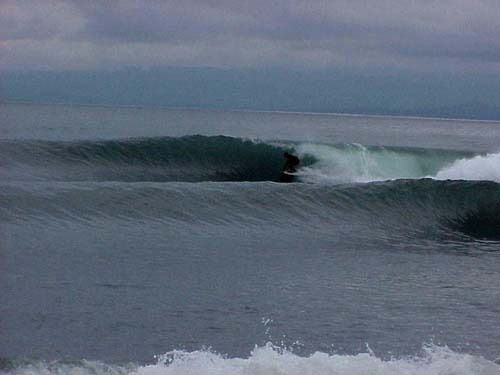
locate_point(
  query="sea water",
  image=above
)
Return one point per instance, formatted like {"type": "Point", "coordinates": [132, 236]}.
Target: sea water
{"type": "Point", "coordinates": [156, 241]}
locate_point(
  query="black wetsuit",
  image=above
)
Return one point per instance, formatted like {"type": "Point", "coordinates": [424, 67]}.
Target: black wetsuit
{"type": "Point", "coordinates": [291, 162]}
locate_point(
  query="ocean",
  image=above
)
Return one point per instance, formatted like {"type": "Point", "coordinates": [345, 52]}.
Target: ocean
{"type": "Point", "coordinates": [160, 241]}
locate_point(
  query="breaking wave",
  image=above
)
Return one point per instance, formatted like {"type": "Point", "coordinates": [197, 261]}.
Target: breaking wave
{"type": "Point", "coordinates": [191, 158]}
{"type": "Point", "coordinates": [271, 360]}
{"type": "Point", "coordinates": [89, 179]}
{"type": "Point", "coordinates": [221, 158]}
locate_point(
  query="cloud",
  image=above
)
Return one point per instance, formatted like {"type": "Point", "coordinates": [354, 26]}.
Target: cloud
{"type": "Point", "coordinates": [37, 20]}
{"type": "Point", "coordinates": [407, 34]}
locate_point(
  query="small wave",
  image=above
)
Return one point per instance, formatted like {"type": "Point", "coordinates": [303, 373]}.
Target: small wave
{"type": "Point", "coordinates": [271, 360]}
{"type": "Point", "coordinates": [409, 208]}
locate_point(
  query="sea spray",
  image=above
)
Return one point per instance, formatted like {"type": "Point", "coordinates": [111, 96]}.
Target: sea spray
{"type": "Point", "coordinates": [272, 360]}
{"type": "Point", "coordinates": [358, 163]}
{"type": "Point", "coordinates": [480, 167]}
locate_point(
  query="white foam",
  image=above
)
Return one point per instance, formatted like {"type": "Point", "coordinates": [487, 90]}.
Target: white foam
{"type": "Point", "coordinates": [480, 167]}
{"type": "Point", "coordinates": [357, 163]}
{"type": "Point", "coordinates": [270, 360]}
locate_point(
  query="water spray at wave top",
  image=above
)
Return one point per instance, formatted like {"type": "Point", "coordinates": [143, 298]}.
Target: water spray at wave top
{"type": "Point", "coordinates": [272, 360]}
{"type": "Point", "coordinates": [357, 163]}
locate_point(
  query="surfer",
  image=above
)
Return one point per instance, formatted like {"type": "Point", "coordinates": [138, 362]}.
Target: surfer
{"type": "Point", "coordinates": [291, 162]}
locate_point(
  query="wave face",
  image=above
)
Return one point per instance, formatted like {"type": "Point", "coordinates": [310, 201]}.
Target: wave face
{"type": "Point", "coordinates": [190, 159]}
{"type": "Point", "coordinates": [270, 360]}
{"type": "Point", "coordinates": [221, 158]}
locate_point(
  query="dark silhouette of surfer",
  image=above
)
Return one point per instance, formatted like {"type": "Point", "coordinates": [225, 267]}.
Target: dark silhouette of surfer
{"type": "Point", "coordinates": [291, 162]}
{"type": "Point", "coordinates": [290, 167]}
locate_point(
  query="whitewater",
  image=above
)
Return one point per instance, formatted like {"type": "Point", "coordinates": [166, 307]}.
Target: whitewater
{"type": "Point", "coordinates": [276, 361]}
{"type": "Point", "coordinates": [154, 241]}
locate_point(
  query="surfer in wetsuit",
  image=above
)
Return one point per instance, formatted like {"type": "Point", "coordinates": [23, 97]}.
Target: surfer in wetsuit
{"type": "Point", "coordinates": [291, 162]}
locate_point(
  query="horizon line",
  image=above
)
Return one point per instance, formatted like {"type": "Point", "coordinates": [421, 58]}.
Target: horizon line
{"type": "Point", "coordinates": [159, 107]}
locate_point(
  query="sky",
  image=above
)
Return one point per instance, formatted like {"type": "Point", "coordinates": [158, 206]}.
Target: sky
{"type": "Point", "coordinates": [455, 38]}
{"type": "Point", "coordinates": [422, 35]}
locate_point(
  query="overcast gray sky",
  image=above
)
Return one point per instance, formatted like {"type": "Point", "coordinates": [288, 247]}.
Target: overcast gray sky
{"type": "Point", "coordinates": [421, 35]}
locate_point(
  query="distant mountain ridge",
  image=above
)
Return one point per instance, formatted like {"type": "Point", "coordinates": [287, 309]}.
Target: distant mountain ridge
{"type": "Point", "coordinates": [395, 94]}
{"type": "Point", "coordinates": [469, 111]}
{"type": "Point", "coordinates": [478, 111]}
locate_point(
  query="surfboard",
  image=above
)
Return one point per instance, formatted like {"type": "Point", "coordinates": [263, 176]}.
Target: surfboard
{"type": "Point", "coordinates": [287, 177]}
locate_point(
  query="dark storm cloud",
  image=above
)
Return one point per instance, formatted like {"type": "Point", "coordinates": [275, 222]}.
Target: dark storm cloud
{"type": "Point", "coordinates": [405, 33]}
